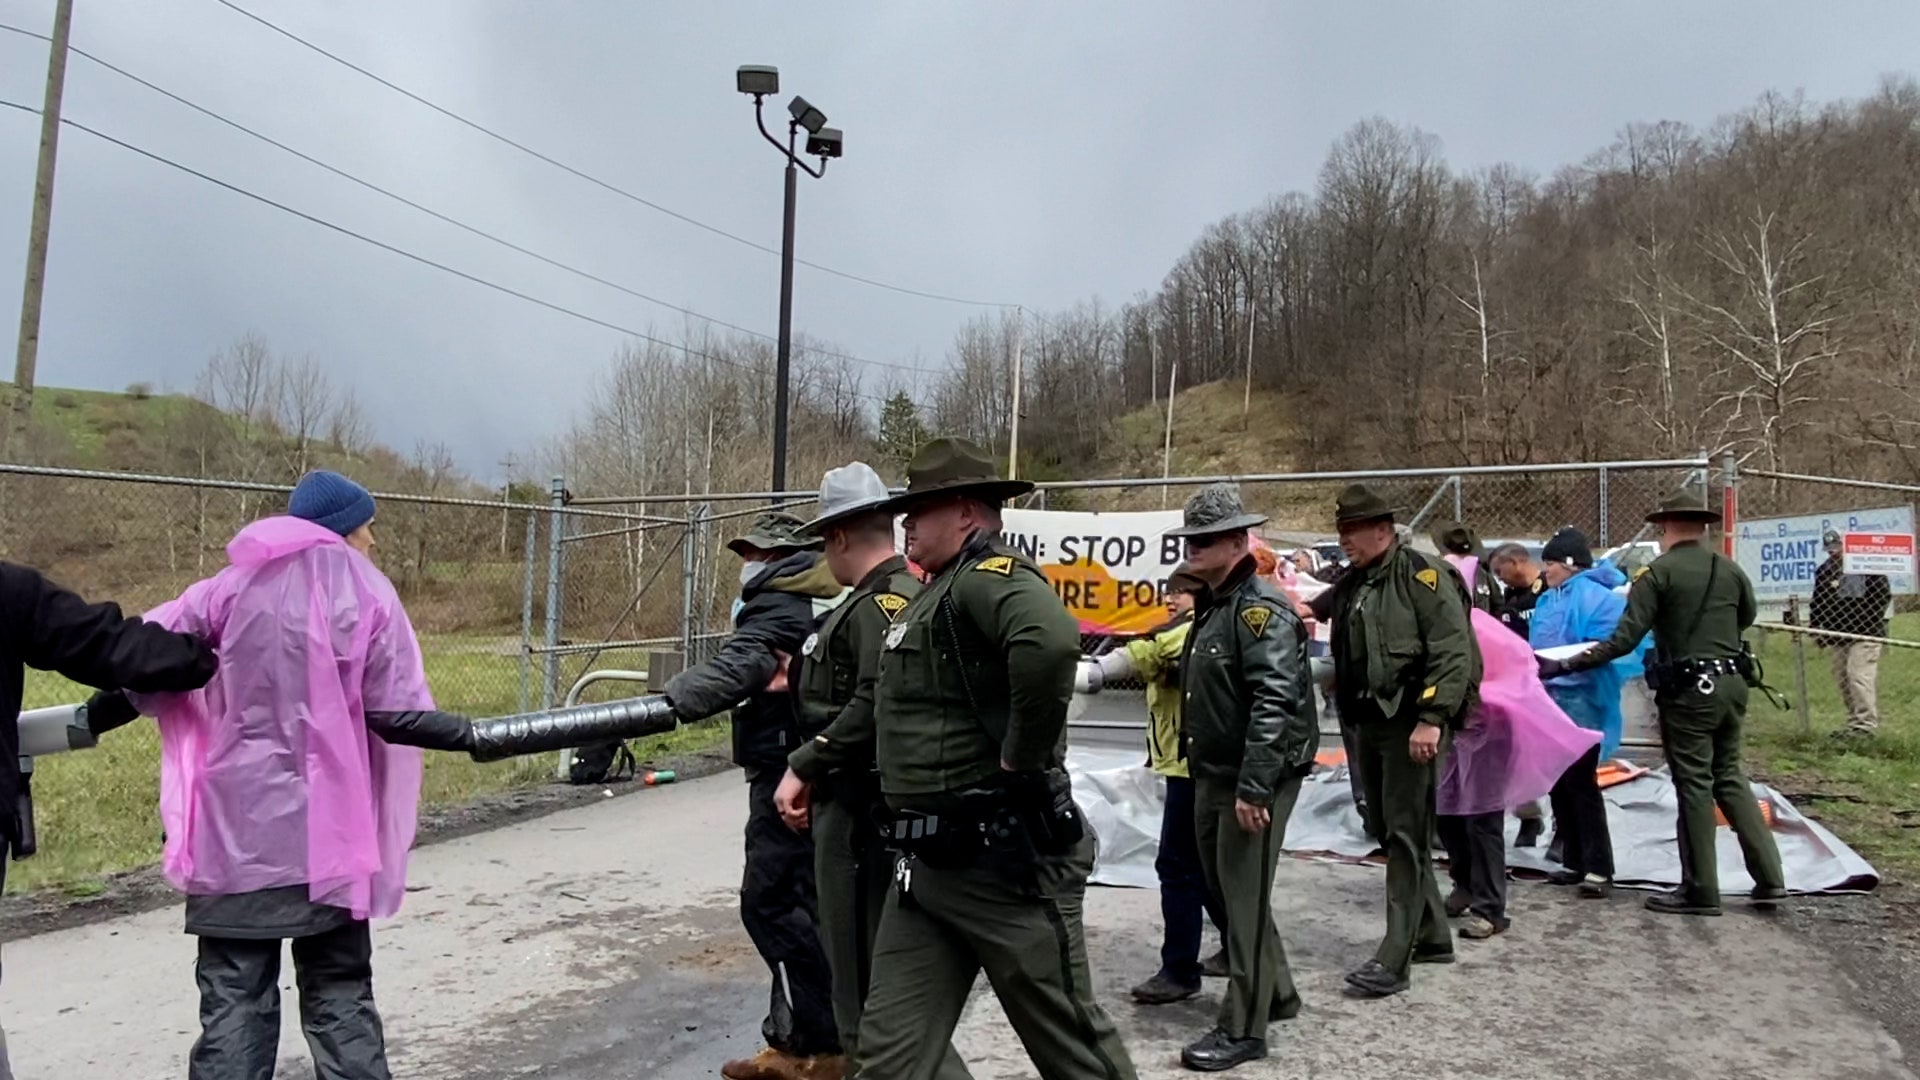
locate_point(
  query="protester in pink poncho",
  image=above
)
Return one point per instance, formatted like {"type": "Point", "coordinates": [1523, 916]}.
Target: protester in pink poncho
{"type": "Point", "coordinates": [1514, 747]}
{"type": "Point", "coordinates": [287, 796]}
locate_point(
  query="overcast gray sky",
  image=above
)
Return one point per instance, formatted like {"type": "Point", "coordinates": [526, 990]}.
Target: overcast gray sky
{"type": "Point", "coordinates": [1008, 152]}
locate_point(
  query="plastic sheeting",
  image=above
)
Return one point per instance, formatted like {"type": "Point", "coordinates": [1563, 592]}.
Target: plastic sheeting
{"type": "Point", "coordinates": [1121, 799]}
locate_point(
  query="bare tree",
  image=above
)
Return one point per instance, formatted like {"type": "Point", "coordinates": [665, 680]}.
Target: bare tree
{"type": "Point", "coordinates": [1780, 320]}
{"type": "Point", "coordinates": [305, 397]}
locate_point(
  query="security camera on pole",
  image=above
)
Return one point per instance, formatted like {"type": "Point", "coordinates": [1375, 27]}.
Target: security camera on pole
{"type": "Point", "coordinates": [823, 142]}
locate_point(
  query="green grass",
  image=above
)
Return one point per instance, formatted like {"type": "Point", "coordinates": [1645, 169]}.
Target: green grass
{"type": "Point", "coordinates": [1867, 791]}
{"type": "Point", "coordinates": [98, 811]}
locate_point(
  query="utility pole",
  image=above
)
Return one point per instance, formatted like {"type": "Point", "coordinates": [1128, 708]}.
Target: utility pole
{"type": "Point", "coordinates": [1019, 339]}
{"type": "Point", "coordinates": [506, 496]}
{"type": "Point", "coordinates": [1166, 451]}
{"type": "Point", "coordinates": [1246, 403]}
{"type": "Point", "coordinates": [29, 350]}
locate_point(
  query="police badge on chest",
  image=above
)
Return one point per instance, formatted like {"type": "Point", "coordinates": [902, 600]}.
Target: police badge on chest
{"type": "Point", "coordinates": [895, 635]}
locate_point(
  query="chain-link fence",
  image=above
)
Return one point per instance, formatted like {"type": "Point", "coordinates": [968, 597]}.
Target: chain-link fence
{"type": "Point", "coordinates": [1832, 560]}
{"type": "Point", "coordinates": [473, 574]}
{"type": "Point", "coordinates": [515, 602]}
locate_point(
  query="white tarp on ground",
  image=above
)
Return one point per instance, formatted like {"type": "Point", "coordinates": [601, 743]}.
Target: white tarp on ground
{"type": "Point", "coordinates": [1121, 799]}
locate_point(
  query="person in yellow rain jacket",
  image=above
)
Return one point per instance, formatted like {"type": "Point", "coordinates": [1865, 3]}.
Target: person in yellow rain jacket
{"type": "Point", "coordinates": [1183, 888]}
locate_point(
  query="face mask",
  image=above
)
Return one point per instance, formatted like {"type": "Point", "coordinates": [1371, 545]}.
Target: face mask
{"type": "Point", "coordinates": [749, 571]}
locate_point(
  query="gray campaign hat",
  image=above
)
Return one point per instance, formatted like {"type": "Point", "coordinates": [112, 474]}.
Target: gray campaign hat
{"type": "Point", "coordinates": [1216, 509]}
{"type": "Point", "coordinates": [1830, 539]}
{"type": "Point", "coordinates": [847, 492]}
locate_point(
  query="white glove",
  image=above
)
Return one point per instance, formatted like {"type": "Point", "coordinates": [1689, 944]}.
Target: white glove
{"type": "Point", "coordinates": [1321, 668]}
{"type": "Point", "coordinates": [1097, 673]}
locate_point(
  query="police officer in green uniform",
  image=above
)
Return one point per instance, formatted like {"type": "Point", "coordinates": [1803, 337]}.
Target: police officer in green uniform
{"type": "Point", "coordinates": [1406, 670]}
{"type": "Point", "coordinates": [832, 786]}
{"type": "Point", "coordinates": [1697, 602]}
{"type": "Point", "coordinates": [971, 702]}
{"type": "Point", "coordinates": [1250, 732]}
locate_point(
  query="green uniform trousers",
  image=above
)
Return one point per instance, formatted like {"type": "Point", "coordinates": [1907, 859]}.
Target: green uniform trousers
{"type": "Point", "coordinates": [1701, 736]}
{"type": "Point", "coordinates": [853, 872]}
{"type": "Point", "coordinates": [1239, 866]}
{"type": "Point", "coordinates": [1026, 936]}
{"type": "Point", "coordinates": [1401, 819]}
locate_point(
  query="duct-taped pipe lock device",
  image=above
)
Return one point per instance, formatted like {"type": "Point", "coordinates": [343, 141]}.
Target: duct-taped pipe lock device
{"type": "Point", "coordinates": [581, 725]}
{"type": "Point", "coordinates": [55, 730]}
{"type": "Point", "coordinates": [52, 730]}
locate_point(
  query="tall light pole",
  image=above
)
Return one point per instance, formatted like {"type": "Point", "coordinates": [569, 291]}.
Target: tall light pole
{"type": "Point", "coordinates": [27, 353]}
{"type": "Point", "coordinates": [823, 142]}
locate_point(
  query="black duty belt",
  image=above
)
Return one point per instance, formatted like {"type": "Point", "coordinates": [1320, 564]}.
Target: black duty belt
{"type": "Point", "coordinates": [1703, 672]}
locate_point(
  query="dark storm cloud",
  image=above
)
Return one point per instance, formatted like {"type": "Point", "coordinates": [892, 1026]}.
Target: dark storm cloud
{"type": "Point", "coordinates": [1033, 154]}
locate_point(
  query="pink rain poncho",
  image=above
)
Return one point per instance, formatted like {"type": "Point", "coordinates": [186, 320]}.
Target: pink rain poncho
{"type": "Point", "coordinates": [268, 775]}
{"type": "Point", "coordinates": [1517, 742]}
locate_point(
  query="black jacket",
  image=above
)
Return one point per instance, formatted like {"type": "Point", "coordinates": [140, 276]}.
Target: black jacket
{"type": "Point", "coordinates": [1848, 603]}
{"type": "Point", "coordinates": [46, 627]}
{"type": "Point", "coordinates": [1516, 608]}
{"type": "Point", "coordinates": [1248, 714]}
{"type": "Point", "coordinates": [776, 617]}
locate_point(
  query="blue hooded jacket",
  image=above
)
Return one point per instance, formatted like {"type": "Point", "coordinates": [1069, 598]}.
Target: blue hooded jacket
{"type": "Point", "coordinates": [1586, 608]}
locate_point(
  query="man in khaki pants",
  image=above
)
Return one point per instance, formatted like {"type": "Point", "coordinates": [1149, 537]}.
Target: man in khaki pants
{"type": "Point", "coordinates": [1851, 604]}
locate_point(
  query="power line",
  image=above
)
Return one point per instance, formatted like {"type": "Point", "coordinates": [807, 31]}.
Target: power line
{"type": "Point", "coordinates": [403, 200]}
{"type": "Point", "coordinates": [402, 252]}
{"type": "Point", "coordinates": [590, 178]}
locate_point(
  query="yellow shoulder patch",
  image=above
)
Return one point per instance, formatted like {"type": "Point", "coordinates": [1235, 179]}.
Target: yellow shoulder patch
{"type": "Point", "coordinates": [1430, 578]}
{"type": "Point", "coordinates": [998, 564]}
{"type": "Point", "coordinates": [1428, 693]}
{"type": "Point", "coordinates": [1257, 619]}
{"type": "Point", "coordinates": [891, 603]}
{"type": "Point", "coordinates": [1641, 572]}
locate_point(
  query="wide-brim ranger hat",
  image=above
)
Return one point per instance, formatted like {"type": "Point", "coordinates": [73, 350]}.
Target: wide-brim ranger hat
{"type": "Point", "coordinates": [1216, 509]}
{"type": "Point", "coordinates": [1360, 503]}
{"type": "Point", "coordinates": [954, 466]}
{"type": "Point", "coordinates": [1687, 504]}
{"type": "Point", "coordinates": [845, 493]}
{"type": "Point", "coordinates": [775, 530]}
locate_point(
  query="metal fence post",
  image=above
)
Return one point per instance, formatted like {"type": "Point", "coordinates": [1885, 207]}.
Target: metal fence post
{"type": "Point", "coordinates": [526, 615]}
{"type": "Point", "coordinates": [1799, 667]}
{"type": "Point", "coordinates": [1730, 500]}
{"type": "Point", "coordinates": [556, 533]}
{"type": "Point", "coordinates": [1604, 508]}
{"type": "Point", "coordinates": [1459, 499]}
{"type": "Point", "coordinates": [689, 584]}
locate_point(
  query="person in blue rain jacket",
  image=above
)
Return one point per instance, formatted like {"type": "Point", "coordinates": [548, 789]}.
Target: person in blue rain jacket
{"type": "Point", "coordinates": [1580, 604]}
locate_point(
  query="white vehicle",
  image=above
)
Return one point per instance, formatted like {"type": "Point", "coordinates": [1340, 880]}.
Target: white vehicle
{"type": "Point", "coordinates": [1534, 547]}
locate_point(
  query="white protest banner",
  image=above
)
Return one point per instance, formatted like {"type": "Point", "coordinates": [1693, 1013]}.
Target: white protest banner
{"type": "Point", "coordinates": [1109, 569]}
{"type": "Point", "coordinates": [1885, 554]}
{"type": "Point", "coordinates": [1781, 554]}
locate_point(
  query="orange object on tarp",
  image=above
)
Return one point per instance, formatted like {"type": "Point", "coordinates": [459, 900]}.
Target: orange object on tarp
{"type": "Point", "coordinates": [1611, 773]}
{"type": "Point", "coordinates": [1766, 815]}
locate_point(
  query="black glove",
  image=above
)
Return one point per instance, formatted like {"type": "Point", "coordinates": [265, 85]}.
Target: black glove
{"type": "Point", "coordinates": [109, 709]}
{"type": "Point", "coordinates": [1552, 669]}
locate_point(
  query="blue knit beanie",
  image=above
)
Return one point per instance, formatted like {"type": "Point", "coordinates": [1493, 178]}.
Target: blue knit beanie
{"type": "Point", "coordinates": [331, 501]}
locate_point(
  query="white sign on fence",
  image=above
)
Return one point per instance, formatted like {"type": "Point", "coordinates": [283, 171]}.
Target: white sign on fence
{"type": "Point", "coordinates": [1887, 554]}
{"type": "Point", "coordinates": [1781, 554]}
{"type": "Point", "coordinates": [1110, 569]}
